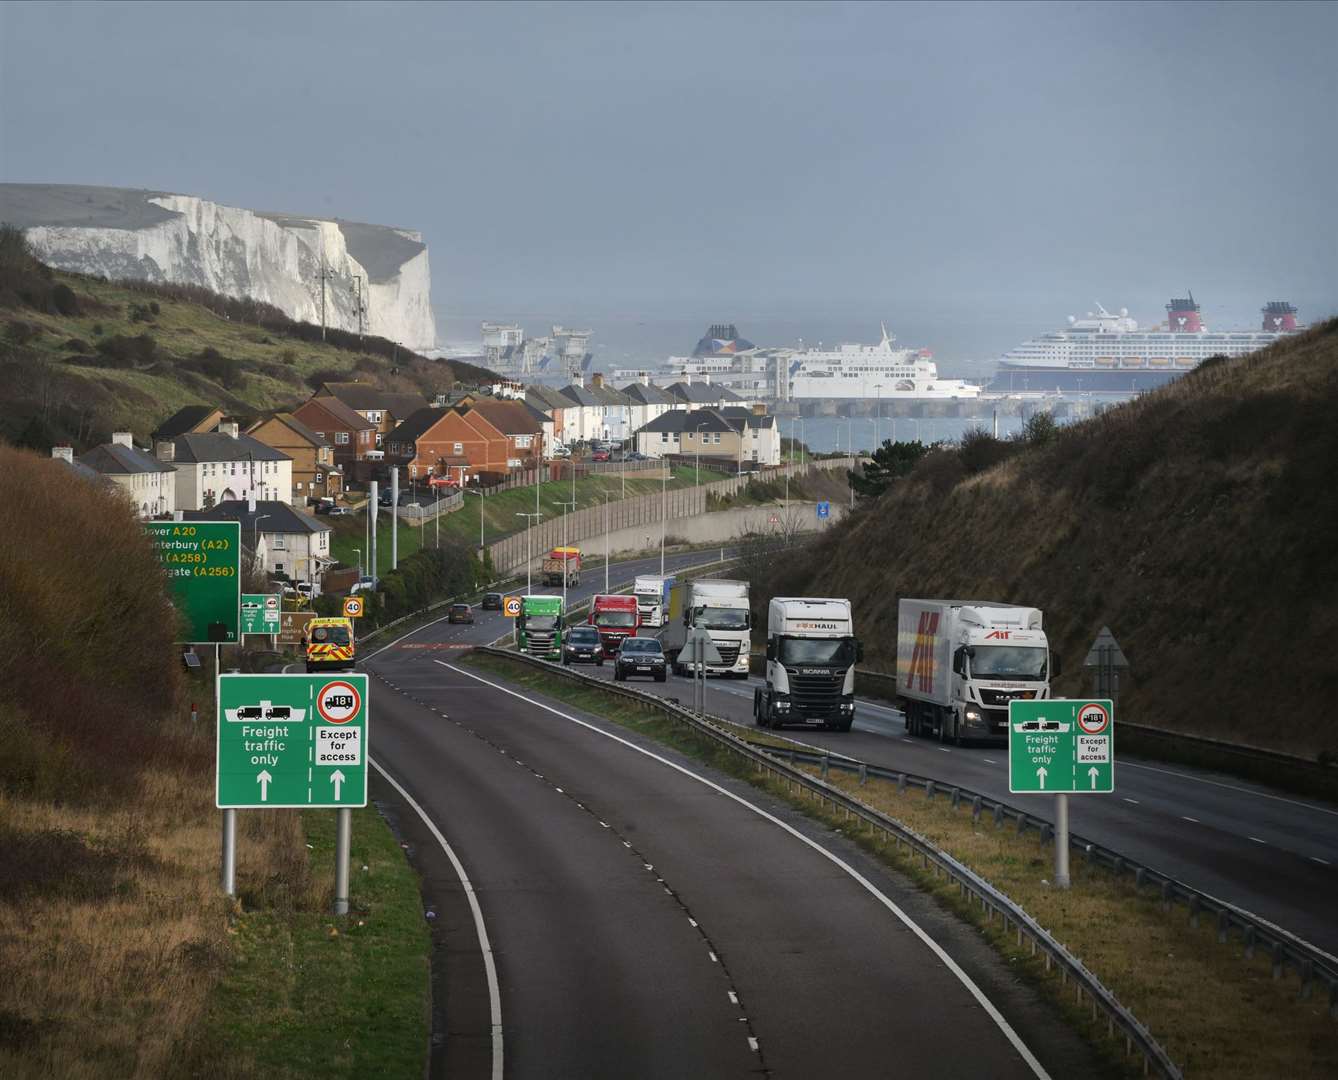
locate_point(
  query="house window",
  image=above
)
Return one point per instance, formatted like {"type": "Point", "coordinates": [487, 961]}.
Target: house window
{"type": "Point", "coordinates": [715, 436]}
{"type": "Point", "coordinates": [278, 542]}
{"type": "Point", "coordinates": [664, 436]}
{"type": "Point", "coordinates": [522, 441]}
{"type": "Point", "coordinates": [320, 434]}
{"type": "Point", "coordinates": [378, 438]}
{"type": "Point", "coordinates": [299, 484]}
{"type": "Point", "coordinates": [341, 438]}
{"type": "Point", "coordinates": [320, 478]}
{"type": "Point", "coordinates": [459, 448]}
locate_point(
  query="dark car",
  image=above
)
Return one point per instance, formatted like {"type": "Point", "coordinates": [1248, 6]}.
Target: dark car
{"type": "Point", "coordinates": [492, 601]}
{"type": "Point", "coordinates": [639, 656]}
{"type": "Point", "coordinates": [460, 613]}
{"type": "Point", "coordinates": [583, 646]}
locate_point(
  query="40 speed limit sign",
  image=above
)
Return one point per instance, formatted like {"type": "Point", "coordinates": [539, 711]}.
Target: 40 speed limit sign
{"type": "Point", "coordinates": [292, 740]}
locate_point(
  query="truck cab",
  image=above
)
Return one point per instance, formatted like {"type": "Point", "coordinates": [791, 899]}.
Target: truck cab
{"type": "Point", "coordinates": [615, 617]}
{"type": "Point", "coordinates": [539, 627]}
{"type": "Point", "coordinates": [651, 592]}
{"type": "Point", "coordinates": [811, 657]}
{"type": "Point", "coordinates": [720, 607]}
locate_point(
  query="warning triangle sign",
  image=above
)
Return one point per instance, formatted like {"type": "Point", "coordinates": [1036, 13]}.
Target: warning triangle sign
{"type": "Point", "coordinates": [1106, 650]}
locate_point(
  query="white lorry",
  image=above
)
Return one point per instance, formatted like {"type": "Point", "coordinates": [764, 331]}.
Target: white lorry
{"type": "Point", "coordinates": [720, 607]}
{"type": "Point", "coordinates": [652, 597]}
{"type": "Point", "coordinates": [811, 657]}
{"type": "Point", "coordinates": [960, 662]}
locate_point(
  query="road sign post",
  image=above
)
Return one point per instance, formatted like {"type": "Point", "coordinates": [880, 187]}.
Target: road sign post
{"type": "Point", "coordinates": [202, 560]}
{"type": "Point", "coordinates": [1061, 747]}
{"type": "Point", "coordinates": [260, 613]}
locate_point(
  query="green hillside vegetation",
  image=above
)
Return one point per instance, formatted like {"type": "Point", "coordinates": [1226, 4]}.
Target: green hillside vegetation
{"type": "Point", "coordinates": [81, 357]}
{"type": "Point", "coordinates": [1198, 522]}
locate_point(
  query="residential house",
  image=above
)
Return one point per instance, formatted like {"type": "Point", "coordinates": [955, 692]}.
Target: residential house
{"type": "Point", "coordinates": [761, 434]}
{"type": "Point", "coordinates": [649, 402]}
{"type": "Point", "coordinates": [459, 443]}
{"type": "Point", "coordinates": [149, 483]}
{"type": "Point", "coordinates": [190, 420]}
{"type": "Point", "coordinates": [284, 540]}
{"type": "Point", "coordinates": [596, 411]}
{"type": "Point", "coordinates": [524, 434]}
{"type": "Point", "coordinates": [382, 408]}
{"type": "Point", "coordinates": [315, 475]}
{"type": "Point", "coordinates": [65, 455]}
{"type": "Point", "coordinates": [553, 404]}
{"type": "Point", "coordinates": [581, 421]}
{"type": "Point", "coordinates": [350, 433]}
{"type": "Point", "coordinates": [223, 465]}
{"type": "Point", "coordinates": [701, 432]}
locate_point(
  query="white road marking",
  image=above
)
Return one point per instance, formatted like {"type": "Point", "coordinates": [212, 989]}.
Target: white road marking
{"type": "Point", "coordinates": [692, 920]}
{"type": "Point", "coordinates": [1257, 840]}
{"type": "Point", "coordinates": [1230, 787]}
{"type": "Point", "coordinates": [714, 959]}
{"type": "Point", "coordinates": [1186, 817]}
{"type": "Point", "coordinates": [752, 1042]}
{"type": "Point", "coordinates": [1012, 1036]}
{"type": "Point", "coordinates": [733, 997]}
{"type": "Point", "coordinates": [989, 761]}
{"type": "Point", "coordinates": [945, 750]}
{"type": "Point", "coordinates": [1128, 800]}
{"type": "Point", "coordinates": [1322, 862]}
{"type": "Point", "coordinates": [489, 963]}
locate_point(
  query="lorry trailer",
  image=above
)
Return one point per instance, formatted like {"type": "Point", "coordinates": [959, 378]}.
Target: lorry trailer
{"type": "Point", "coordinates": [559, 562]}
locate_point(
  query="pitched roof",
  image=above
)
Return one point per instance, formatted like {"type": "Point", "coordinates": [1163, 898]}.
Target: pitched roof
{"type": "Point", "coordinates": [213, 446]}
{"type": "Point", "coordinates": [277, 517]}
{"type": "Point", "coordinates": [365, 397]}
{"type": "Point", "coordinates": [609, 395]}
{"type": "Point", "coordinates": [340, 412]}
{"type": "Point", "coordinates": [736, 413]}
{"type": "Point", "coordinates": [295, 425]}
{"type": "Point", "coordinates": [185, 420]}
{"type": "Point", "coordinates": [648, 394]}
{"type": "Point", "coordinates": [701, 393]}
{"type": "Point", "coordinates": [579, 395]}
{"type": "Point", "coordinates": [415, 425]}
{"type": "Point", "coordinates": [683, 420]}
{"type": "Point", "coordinates": [401, 405]}
{"type": "Point", "coordinates": [113, 459]}
{"type": "Point", "coordinates": [508, 417]}
{"type": "Point", "coordinates": [545, 397]}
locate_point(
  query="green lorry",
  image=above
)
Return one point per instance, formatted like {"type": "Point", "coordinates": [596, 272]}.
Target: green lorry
{"type": "Point", "coordinates": [539, 626]}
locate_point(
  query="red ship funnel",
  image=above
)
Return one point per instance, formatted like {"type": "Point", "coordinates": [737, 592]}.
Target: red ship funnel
{"type": "Point", "coordinates": [1182, 316]}
{"type": "Point", "coordinates": [1279, 316]}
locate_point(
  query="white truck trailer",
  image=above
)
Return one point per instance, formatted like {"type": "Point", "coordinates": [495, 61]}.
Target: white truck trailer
{"type": "Point", "coordinates": [721, 608]}
{"type": "Point", "coordinates": [811, 657]}
{"type": "Point", "coordinates": [960, 662]}
{"type": "Point", "coordinates": [652, 597]}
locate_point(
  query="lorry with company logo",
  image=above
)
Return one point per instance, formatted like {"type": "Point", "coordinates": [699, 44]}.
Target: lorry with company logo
{"type": "Point", "coordinates": [329, 644]}
{"type": "Point", "coordinates": [811, 655]}
{"type": "Point", "coordinates": [720, 607]}
{"type": "Point", "coordinates": [960, 662]}
{"type": "Point", "coordinates": [539, 627]}
{"type": "Point", "coordinates": [559, 562]}
{"type": "Point", "coordinates": [615, 617]}
{"type": "Point", "coordinates": [652, 597]}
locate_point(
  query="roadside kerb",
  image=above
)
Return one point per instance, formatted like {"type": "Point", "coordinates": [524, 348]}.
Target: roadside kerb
{"type": "Point", "coordinates": [970, 885]}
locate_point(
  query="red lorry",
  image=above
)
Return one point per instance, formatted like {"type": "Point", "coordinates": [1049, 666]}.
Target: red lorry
{"type": "Point", "coordinates": [616, 617]}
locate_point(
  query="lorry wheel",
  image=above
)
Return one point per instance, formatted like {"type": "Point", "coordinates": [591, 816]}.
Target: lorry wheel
{"type": "Point", "coordinates": [843, 725]}
{"type": "Point", "coordinates": [757, 709]}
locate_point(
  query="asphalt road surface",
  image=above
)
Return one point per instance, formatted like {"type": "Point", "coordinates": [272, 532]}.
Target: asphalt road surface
{"type": "Point", "coordinates": [603, 907]}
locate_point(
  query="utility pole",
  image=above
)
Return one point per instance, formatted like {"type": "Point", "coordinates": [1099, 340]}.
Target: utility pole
{"type": "Point", "coordinates": [606, 542]}
{"type": "Point", "coordinates": [394, 517]}
{"type": "Point", "coordinates": [664, 508]}
{"type": "Point", "coordinates": [878, 416]}
{"type": "Point", "coordinates": [326, 275]}
{"type": "Point", "coordinates": [360, 306]}
{"type": "Point", "coordinates": [566, 505]}
{"type": "Point", "coordinates": [529, 558]}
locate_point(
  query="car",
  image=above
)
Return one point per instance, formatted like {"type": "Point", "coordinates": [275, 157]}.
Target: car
{"type": "Point", "coordinates": [583, 646]}
{"type": "Point", "coordinates": [339, 511]}
{"type": "Point", "coordinates": [363, 584]}
{"type": "Point", "coordinates": [561, 452]}
{"type": "Point", "coordinates": [460, 613]}
{"type": "Point", "coordinates": [600, 455]}
{"type": "Point", "coordinates": [639, 656]}
{"type": "Point", "coordinates": [492, 601]}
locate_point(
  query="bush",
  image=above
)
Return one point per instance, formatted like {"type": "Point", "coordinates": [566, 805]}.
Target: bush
{"type": "Point", "coordinates": [226, 370]}
{"type": "Point", "coordinates": [77, 345]}
{"type": "Point", "coordinates": [64, 300]}
{"type": "Point", "coordinates": [1040, 429]}
{"type": "Point", "coordinates": [20, 332]}
{"type": "Point", "coordinates": [120, 350]}
{"type": "Point", "coordinates": [980, 450]}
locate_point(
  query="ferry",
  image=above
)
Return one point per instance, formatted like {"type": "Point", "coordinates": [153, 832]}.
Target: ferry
{"type": "Point", "coordinates": [1108, 354]}
{"type": "Point", "coordinates": [871, 373]}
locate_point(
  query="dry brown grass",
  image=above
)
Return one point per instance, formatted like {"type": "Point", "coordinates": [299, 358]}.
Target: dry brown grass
{"type": "Point", "coordinates": [1218, 1014]}
{"type": "Point", "coordinates": [1197, 522]}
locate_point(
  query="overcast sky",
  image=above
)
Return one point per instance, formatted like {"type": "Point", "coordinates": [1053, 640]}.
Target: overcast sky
{"type": "Point", "coordinates": [927, 162]}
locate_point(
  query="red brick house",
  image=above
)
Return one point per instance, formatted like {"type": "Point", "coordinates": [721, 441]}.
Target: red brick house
{"type": "Point", "coordinates": [445, 441]}
{"type": "Point", "coordinates": [351, 434]}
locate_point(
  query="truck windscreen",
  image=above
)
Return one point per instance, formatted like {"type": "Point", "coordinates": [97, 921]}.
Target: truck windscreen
{"type": "Point", "coordinates": [716, 618]}
{"type": "Point", "coordinates": [836, 651]}
{"type": "Point", "coordinates": [1008, 662]}
{"type": "Point", "coordinates": [615, 618]}
{"type": "Point", "coordinates": [540, 622]}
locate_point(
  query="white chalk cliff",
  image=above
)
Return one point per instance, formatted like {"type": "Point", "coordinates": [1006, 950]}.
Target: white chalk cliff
{"type": "Point", "coordinates": [277, 258]}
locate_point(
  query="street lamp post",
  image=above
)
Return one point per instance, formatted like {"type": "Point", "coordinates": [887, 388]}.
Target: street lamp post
{"type": "Point", "coordinates": [529, 531]}
{"type": "Point", "coordinates": [878, 415]}
{"type": "Point", "coordinates": [697, 438]}
{"type": "Point", "coordinates": [566, 505]}
{"type": "Point", "coordinates": [606, 542]}
{"type": "Point", "coordinates": [664, 509]}
{"type": "Point", "coordinates": [359, 551]}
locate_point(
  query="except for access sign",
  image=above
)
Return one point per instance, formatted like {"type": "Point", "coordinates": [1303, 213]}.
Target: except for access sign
{"type": "Point", "coordinates": [202, 560]}
{"type": "Point", "coordinates": [1059, 746]}
{"type": "Point", "coordinates": [292, 741]}
{"type": "Point", "coordinates": [260, 613]}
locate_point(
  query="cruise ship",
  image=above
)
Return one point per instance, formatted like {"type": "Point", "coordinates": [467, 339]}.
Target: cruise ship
{"type": "Point", "coordinates": [870, 372]}
{"type": "Point", "coordinates": [1108, 354]}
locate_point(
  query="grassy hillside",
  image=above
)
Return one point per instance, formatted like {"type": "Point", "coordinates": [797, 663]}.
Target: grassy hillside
{"type": "Point", "coordinates": [81, 357]}
{"type": "Point", "coordinates": [1199, 522]}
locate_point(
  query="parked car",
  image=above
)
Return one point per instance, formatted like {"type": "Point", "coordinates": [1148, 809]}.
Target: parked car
{"type": "Point", "coordinates": [492, 601]}
{"type": "Point", "coordinates": [339, 511]}
{"type": "Point", "coordinates": [460, 613]}
{"type": "Point", "coordinates": [561, 451]}
{"type": "Point", "coordinates": [639, 656]}
{"type": "Point", "coordinates": [600, 455]}
{"type": "Point", "coordinates": [363, 584]}
{"type": "Point", "coordinates": [583, 646]}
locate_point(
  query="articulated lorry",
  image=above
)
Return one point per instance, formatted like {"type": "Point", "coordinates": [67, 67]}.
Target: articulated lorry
{"type": "Point", "coordinates": [615, 616]}
{"type": "Point", "coordinates": [652, 597]}
{"type": "Point", "coordinates": [720, 607]}
{"type": "Point", "coordinates": [960, 662]}
{"type": "Point", "coordinates": [811, 655]}
{"type": "Point", "coordinates": [560, 561]}
{"type": "Point", "coordinates": [539, 626]}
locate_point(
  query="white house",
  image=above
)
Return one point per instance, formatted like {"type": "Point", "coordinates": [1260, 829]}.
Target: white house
{"type": "Point", "coordinates": [225, 465]}
{"type": "Point", "coordinates": [649, 402]}
{"type": "Point", "coordinates": [149, 484]}
{"type": "Point", "coordinates": [285, 540]}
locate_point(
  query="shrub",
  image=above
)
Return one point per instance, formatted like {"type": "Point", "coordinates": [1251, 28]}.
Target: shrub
{"type": "Point", "coordinates": [20, 332]}
{"type": "Point", "coordinates": [97, 329]}
{"type": "Point", "coordinates": [226, 370]}
{"type": "Point", "coordinates": [980, 450]}
{"type": "Point", "coordinates": [1040, 429]}
{"type": "Point", "coordinates": [64, 300]}
{"type": "Point", "coordinates": [120, 350]}
{"type": "Point", "coordinates": [78, 345]}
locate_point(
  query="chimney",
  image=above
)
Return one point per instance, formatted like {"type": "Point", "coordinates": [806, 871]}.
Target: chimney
{"type": "Point", "coordinates": [122, 438]}
{"type": "Point", "coordinates": [687, 375]}
{"type": "Point", "coordinates": [706, 378]}
{"type": "Point", "coordinates": [165, 450]}
{"type": "Point", "coordinates": [63, 453]}
{"type": "Point", "coordinates": [645, 378]}
{"type": "Point", "coordinates": [228, 428]}
{"type": "Point", "coordinates": [759, 409]}
{"type": "Point", "coordinates": [597, 379]}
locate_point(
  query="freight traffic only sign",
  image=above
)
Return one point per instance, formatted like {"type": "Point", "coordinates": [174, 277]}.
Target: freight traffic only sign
{"type": "Point", "coordinates": [292, 741]}
{"type": "Point", "coordinates": [260, 613]}
{"type": "Point", "coordinates": [202, 560]}
{"type": "Point", "coordinates": [1061, 746]}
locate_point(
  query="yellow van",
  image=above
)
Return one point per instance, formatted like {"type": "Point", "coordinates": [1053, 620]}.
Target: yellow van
{"type": "Point", "coordinates": [329, 644]}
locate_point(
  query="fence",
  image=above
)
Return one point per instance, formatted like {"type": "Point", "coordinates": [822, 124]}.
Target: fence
{"type": "Point", "coordinates": [415, 515]}
{"type": "Point", "coordinates": [515, 550]}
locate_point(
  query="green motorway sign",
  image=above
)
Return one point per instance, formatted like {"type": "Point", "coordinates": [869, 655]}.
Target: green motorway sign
{"type": "Point", "coordinates": [292, 740]}
{"type": "Point", "coordinates": [203, 564]}
{"type": "Point", "coordinates": [260, 613]}
{"type": "Point", "coordinates": [1061, 746]}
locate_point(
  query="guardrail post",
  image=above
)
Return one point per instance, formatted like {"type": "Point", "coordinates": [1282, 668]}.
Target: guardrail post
{"type": "Point", "coordinates": [1223, 926]}
{"type": "Point", "coordinates": [1333, 999]}
{"type": "Point", "coordinates": [1139, 875]}
{"type": "Point", "coordinates": [1277, 960]}
{"type": "Point", "coordinates": [863, 773]}
{"type": "Point", "coordinates": [956, 797]}
{"type": "Point", "coordinates": [901, 783]}
{"type": "Point", "coordinates": [823, 766]}
{"type": "Point", "coordinates": [975, 808]}
{"type": "Point", "coordinates": [1021, 824]}
{"type": "Point", "coordinates": [929, 790]}
{"type": "Point", "coordinates": [1249, 942]}
{"type": "Point", "coordinates": [1307, 978]}
{"type": "Point", "coordinates": [998, 816]}
{"type": "Point", "coordinates": [1167, 895]}
{"type": "Point", "coordinates": [1195, 906]}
